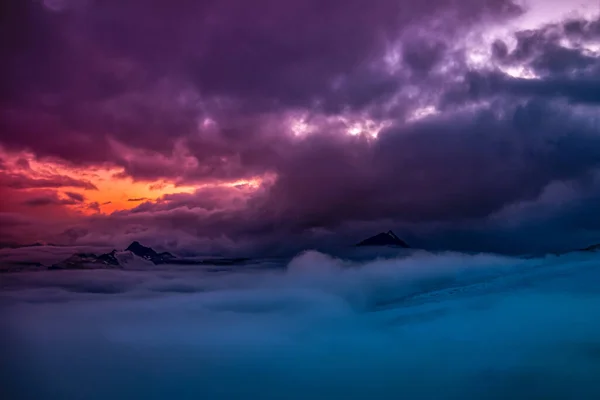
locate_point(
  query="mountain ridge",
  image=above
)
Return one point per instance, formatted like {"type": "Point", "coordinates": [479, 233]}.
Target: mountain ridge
{"type": "Point", "coordinates": [110, 260]}
{"type": "Point", "coordinates": [388, 238]}
{"type": "Point", "coordinates": [149, 253]}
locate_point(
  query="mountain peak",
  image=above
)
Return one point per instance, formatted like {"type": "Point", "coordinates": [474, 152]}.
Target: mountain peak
{"type": "Point", "coordinates": [140, 250]}
{"type": "Point", "coordinates": [148, 253]}
{"type": "Point", "coordinates": [388, 238]}
{"type": "Point", "coordinates": [136, 245]}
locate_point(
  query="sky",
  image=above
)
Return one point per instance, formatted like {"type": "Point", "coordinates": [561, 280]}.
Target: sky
{"type": "Point", "coordinates": [269, 127]}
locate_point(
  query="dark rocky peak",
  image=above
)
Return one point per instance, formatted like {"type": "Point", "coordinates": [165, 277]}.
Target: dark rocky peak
{"type": "Point", "coordinates": [85, 255]}
{"type": "Point", "coordinates": [109, 258]}
{"type": "Point", "coordinates": [141, 251]}
{"type": "Point", "coordinates": [388, 238]}
{"type": "Point", "coordinates": [149, 254]}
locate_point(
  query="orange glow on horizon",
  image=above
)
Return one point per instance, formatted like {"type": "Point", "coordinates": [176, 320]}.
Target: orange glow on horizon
{"type": "Point", "coordinates": [114, 193]}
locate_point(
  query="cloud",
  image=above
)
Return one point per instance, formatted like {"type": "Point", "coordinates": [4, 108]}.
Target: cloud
{"type": "Point", "coordinates": [481, 161]}
{"type": "Point", "coordinates": [46, 255]}
{"type": "Point", "coordinates": [344, 119]}
{"type": "Point", "coordinates": [317, 327]}
{"type": "Point", "coordinates": [180, 66]}
{"type": "Point", "coordinates": [50, 199]}
{"type": "Point", "coordinates": [22, 181]}
{"type": "Point", "coordinates": [560, 56]}
{"type": "Point", "coordinates": [484, 161]}
{"type": "Point", "coordinates": [78, 197]}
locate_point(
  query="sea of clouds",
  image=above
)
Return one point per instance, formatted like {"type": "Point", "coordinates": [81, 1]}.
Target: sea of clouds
{"type": "Point", "coordinates": [423, 326]}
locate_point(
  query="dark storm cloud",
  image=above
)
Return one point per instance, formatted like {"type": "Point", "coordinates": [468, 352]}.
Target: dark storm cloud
{"type": "Point", "coordinates": [205, 91]}
{"type": "Point", "coordinates": [22, 181]}
{"type": "Point", "coordinates": [421, 56]}
{"type": "Point", "coordinates": [545, 51]}
{"type": "Point", "coordinates": [16, 228]}
{"type": "Point", "coordinates": [482, 86]}
{"type": "Point", "coordinates": [78, 197]}
{"type": "Point", "coordinates": [146, 73]}
{"type": "Point", "coordinates": [580, 29]}
{"type": "Point", "coordinates": [557, 53]}
{"type": "Point", "coordinates": [50, 199]}
{"type": "Point", "coordinates": [278, 54]}
{"type": "Point", "coordinates": [207, 199]}
{"type": "Point", "coordinates": [479, 163]}
{"type": "Point", "coordinates": [483, 162]}
{"type": "Point", "coordinates": [564, 218]}
{"type": "Point", "coordinates": [94, 206]}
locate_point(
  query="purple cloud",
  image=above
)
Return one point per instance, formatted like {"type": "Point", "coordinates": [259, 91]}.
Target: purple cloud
{"type": "Point", "coordinates": [78, 197]}
{"type": "Point", "coordinates": [206, 92]}
{"type": "Point", "coordinates": [22, 181]}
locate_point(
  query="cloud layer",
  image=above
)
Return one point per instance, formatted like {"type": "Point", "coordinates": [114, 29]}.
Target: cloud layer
{"type": "Point", "coordinates": [425, 326]}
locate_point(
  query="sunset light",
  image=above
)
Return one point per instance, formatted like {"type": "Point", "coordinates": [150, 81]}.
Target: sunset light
{"type": "Point", "coordinates": [299, 199]}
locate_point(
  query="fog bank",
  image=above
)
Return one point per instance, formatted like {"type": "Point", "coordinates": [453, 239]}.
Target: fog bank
{"type": "Point", "coordinates": [446, 326]}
